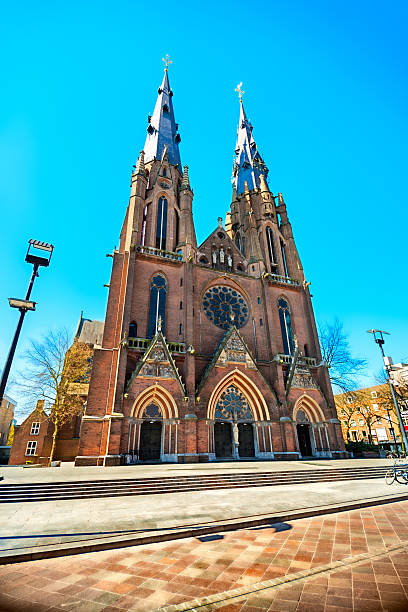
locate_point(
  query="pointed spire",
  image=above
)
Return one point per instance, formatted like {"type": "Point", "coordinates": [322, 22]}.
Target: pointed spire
{"type": "Point", "coordinates": [248, 164]}
{"type": "Point", "coordinates": [185, 181]}
{"type": "Point", "coordinates": [140, 166]}
{"type": "Point", "coordinates": [162, 128]}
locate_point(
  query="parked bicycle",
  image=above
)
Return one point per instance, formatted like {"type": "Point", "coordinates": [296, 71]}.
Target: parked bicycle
{"type": "Point", "coordinates": [398, 472]}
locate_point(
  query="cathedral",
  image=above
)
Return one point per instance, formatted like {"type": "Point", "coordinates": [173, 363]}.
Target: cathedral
{"type": "Point", "coordinates": [210, 352]}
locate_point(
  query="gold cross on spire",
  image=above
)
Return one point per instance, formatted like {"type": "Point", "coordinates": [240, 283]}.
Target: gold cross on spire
{"type": "Point", "coordinates": [166, 61]}
{"type": "Point", "coordinates": [240, 91]}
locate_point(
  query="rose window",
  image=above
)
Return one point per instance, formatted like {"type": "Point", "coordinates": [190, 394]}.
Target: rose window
{"type": "Point", "coordinates": [224, 306]}
{"type": "Point", "coordinates": [233, 405]}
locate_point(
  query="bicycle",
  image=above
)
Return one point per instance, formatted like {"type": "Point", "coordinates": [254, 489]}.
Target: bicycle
{"type": "Point", "coordinates": [398, 472]}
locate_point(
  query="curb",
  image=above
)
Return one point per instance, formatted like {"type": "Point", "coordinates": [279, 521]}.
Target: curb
{"type": "Point", "coordinates": [176, 533]}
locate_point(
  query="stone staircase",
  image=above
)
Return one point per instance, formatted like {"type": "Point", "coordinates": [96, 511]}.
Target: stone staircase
{"type": "Point", "coordinates": [51, 491]}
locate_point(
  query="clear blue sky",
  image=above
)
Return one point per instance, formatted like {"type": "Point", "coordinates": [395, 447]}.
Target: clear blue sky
{"type": "Point", "coordinates": [326, 90]}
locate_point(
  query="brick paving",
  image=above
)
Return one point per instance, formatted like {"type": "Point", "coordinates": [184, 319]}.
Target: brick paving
{"type": "Point", "coordinates": [371, 543]}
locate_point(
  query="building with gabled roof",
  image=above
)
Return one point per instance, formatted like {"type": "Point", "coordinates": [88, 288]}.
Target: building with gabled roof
{"type": "Point", "coordinates": [209, 351]}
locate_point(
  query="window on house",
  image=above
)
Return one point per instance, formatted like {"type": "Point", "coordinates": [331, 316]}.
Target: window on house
{"type": "Point", "coordinates": [158, 293]}
{"type": "Point", "coordinates": [181, 305]}
{"type": "Point", "coordinates": [349, 399]}
{"type": "Point", "coordinates": [353, 423]}
{"type": "Point", "coordinates": [260, 322]}
{"type": "Point", "coordinates": [354, 436]}
{"type": "Point", "coordinates": [181, 282]}
{"type": "Point", "coordinates": [286, 326]}
{"type": "Point", "coordinates": [161, 225]}
{"type": "Point", "coordinates": [361, 421]}
{"type": "Point", "coordinates": [164, 172]}
{"type": "Point", "coordinates": [31, 448]}
{"type": "Point", "coordinates": [364, 434]}
{"type": "Point", "coordinates": [180, 329]}
{"type": "Point", "coordinates": [35, 428]}
{"type": "Point", "coordinates": [259, 300]}
{"type": "Point", "coordinates": [374, 394]}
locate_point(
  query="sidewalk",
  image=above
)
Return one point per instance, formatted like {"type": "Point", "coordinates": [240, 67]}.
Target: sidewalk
{"type": "Point", "coordinates": [340, 562]}
{"type": "Point", "coordinates": [29, 527]}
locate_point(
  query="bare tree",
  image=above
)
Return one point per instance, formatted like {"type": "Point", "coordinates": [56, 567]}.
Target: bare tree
{"type": "Point", "coordinates": [344, 370]}
{"type": "Point", "coordinates": [54, 370]}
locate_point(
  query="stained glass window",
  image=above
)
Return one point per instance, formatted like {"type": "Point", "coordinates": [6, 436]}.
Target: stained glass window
{"type": "Point", "coordinates": [233, 405]}
{"type": "Point", "coordinates": [158, 292]}
{"type": "Point", "coordinates": [286, 326]}
{"type": "Point", "coordinates": [224, 306]}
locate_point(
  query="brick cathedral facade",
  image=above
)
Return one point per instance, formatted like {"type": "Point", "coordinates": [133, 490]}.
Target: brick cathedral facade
{"type": "Point", "coordinates": [209, 351]}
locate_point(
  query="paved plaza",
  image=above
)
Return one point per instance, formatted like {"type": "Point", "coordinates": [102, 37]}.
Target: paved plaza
{"type": "Point", "coordinates": [353, 561]}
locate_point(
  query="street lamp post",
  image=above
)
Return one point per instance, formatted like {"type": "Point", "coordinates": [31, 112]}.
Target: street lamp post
{"type": "Point", "coordinates": [23, 306]}
{"type": "Point", "coordinates": [379, 339]}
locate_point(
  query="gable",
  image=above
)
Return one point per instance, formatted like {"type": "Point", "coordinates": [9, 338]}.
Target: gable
{"type": "Point", "coordinates": [220, 243]}
{"type": "Point", "coordinates": [157, 363]}
{"type": "Point", "coordinates": [232, 350]}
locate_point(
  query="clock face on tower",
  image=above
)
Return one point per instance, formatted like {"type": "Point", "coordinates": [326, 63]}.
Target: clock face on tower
{"type": "Point", "coordinates": [225, 307]}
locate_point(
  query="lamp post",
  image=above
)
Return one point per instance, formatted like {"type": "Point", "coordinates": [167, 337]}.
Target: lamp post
{"type": "Point", "coordinates": [379, 339]}
{"type": "Point", "coordinates": [33, 257]}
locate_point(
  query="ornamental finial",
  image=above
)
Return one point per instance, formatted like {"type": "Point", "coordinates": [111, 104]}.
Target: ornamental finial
{"type": "Point", "coordinates": [240, 91]}
{"type": "Point", "coordinates": [167, 61]}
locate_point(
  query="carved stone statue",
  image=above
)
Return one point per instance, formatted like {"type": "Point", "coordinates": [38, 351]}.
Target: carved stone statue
{"type": "Point", "coordinates": [214, 258]}
{"type": "Point", "coordinates": [229, 261]}
{"type": "Point", "coordinates": [222, 255]}
{"type": "Point", "coordinates": [235, 434]}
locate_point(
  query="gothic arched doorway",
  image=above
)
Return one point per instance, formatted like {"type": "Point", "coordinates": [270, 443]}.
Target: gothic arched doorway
{"type": "Point", "coordinates": [303, 428]}
{"type": "Point", "coordinates": [233, 431]}
{"type": "Point", "coordinates": [151, 434]}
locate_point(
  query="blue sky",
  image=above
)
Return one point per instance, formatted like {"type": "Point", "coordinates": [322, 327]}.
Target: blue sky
{"type": "Point", "coordinates": [326, 91]}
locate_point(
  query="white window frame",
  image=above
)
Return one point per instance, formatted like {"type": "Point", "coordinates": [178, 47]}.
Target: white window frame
{"type": "Point", "coordinates": [35, 428]}
{"type": "Point", "coordinates": [374, 394]}
{"type": "Point", "coordinates": [31, 448]}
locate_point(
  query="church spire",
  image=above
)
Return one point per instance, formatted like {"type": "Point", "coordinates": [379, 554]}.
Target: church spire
{"type": "Point", "coordinates": [248, 163]}
{"type": "Point", "coordinates": [162, 129]}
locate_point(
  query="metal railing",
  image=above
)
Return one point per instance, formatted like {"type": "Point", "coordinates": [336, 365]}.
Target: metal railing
{"type": "Point", "coordinates": [146, 250]}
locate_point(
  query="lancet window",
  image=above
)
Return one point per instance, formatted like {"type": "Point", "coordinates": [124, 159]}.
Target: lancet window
{"type": "Point", "coordinates": [286, 326]}
{"type": "Point", "coordinates": [271, 248]}
{"type": "Point", "coordinates": [161, 226]}
{"type": "Point", "coordinates": [158, 294]}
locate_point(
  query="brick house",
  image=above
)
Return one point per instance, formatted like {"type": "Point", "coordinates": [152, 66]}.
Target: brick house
{"type": "Point", "coordinates": [370, 408]}
{"type": "Point", "coordinates": [33, 438]}
{"type": "Point", "coordinates": [209, 351]}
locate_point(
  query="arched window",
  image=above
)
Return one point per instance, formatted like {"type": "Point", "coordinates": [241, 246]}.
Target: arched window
{"type": "Point", "coordinates": [164, 172]}
{"type": "Point", "coordinates": [161, 226]}
{"type": "Point", "coordinates": [286, 326]}
{"type": "Point", "coordinates": [133, 330]}
{"type": "Point", "coordinates": [271, 248]}
{"type": "Point", "coordinates": [238, 241]}
{"type": "Point", "coordinates": [158, 292]}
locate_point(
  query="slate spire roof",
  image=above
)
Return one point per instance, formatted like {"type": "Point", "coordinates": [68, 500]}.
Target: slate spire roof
{"type": "Point", "coordinates": [248, 163]}
{"type": "Point", "coordinates": [162, 128]}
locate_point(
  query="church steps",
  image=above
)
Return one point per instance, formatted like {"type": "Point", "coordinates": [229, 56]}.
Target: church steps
{"type": "Point", "coordinates": [154, 486]}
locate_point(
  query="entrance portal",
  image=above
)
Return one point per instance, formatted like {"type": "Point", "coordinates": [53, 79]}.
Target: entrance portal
{"type": "Point", "coordinates": [246, 446]}
{"type": "Point", "coordinates": [223, 439]}
{"type": "Point", "coordinates": [305, 444]}
{"type": "Point", "coordinates": [150, 441]}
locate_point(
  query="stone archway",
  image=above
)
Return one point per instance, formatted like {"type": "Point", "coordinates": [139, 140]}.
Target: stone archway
{"type": "Point", "coordinates": [311, 428]}
{"type": "Point", "coordinates": [233, 426]}
{"type": "Point", "coordinates": [151, 431]}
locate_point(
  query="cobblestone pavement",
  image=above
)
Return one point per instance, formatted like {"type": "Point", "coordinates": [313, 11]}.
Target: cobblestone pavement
{"type": "Point", "coordinates": [354, 560]}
